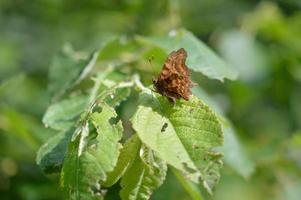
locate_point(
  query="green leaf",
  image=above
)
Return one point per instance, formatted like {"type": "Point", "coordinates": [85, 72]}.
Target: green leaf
{"type": "Point", "coordinates": [183, 135]}
{"type": "Point", "coordinates": [145, 175]}
{"type": "Point", "coordinates": [148, 125]}
{"type": "Point", "coordinates": [202, 94]}
{"type": "Point", "coordinates": [195, 118]}
{"type": "Point", "coordinates": [87, 164]}
{"type": "Point", "coordinates": [110, 91]}
{"type": "Point", "coordinates": [200, 57]}
{"type": "Point", "coordinates": [211, 170]}
{"type": "Point", "coordinates": [117, 95]}
{"type": "Point", "coordinates": [67, 70]}
{"type": "Point", "coordinates": [80, 175]}
{"type": "Point", "coordinates": [119, 50]}
{"type": "Point", "coordinates": [120, 95]}
{"type": "Point", "coordinates": [126, 158]}
{"type": "Point", "coordinates": [108, 135]}
{"type": "Point", "coordinates": [234, 154]}
{"type": "Point", "coordinates": [62, 115]}
{"type": "Point", "coordinates": [51, 155]}
{"type": "Point", "coordinates": [192, 189]}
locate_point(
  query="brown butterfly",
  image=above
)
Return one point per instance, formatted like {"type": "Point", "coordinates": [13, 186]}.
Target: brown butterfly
{"type": "Point", "coordinates": [173, 81]}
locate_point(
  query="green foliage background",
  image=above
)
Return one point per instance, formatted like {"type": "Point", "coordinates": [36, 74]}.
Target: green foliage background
{"type": "Point", "coordinates": [261, 109]}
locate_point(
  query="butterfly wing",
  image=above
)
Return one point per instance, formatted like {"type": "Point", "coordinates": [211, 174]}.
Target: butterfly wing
{"type": "Point", "coordinates": [173, 80]}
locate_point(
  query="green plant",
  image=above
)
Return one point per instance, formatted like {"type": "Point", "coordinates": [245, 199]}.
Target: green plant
{"type": "Point", "coordinates": [98, 144]}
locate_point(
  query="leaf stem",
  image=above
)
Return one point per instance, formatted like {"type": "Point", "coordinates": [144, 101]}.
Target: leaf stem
{"type": "Point", "coordinates": [139, 85]}
{"type": "Point", "coordinates": [190, 187]}
{"type": "Point", "coordinates": [100, 77]}
{"type": "Point", "coordinates": [96, 99]}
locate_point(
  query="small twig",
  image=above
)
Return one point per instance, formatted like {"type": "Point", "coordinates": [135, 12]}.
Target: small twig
{"type": "Point", "coordinates": [139, 85]}
{"type": "Point", "coordinates": [99, 98]}
{"type": "Point", "coordinates": [98, 80]}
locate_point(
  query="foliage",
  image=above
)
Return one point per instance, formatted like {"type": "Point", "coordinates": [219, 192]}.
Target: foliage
{"type": "Point", "coordinates": [182, 135]}
{"type": "Point", "coordinates": [100, 99]}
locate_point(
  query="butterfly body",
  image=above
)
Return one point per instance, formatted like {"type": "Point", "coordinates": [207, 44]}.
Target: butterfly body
{"type": "Point", "coordinates": [173, 81]}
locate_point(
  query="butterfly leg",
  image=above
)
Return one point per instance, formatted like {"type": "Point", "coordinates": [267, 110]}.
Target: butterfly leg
{"type": "Point", "coordinates": [172, 99]}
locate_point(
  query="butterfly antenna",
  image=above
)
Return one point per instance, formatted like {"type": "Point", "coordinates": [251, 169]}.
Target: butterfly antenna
{"type": "Point", "coordinates": [150, 60]}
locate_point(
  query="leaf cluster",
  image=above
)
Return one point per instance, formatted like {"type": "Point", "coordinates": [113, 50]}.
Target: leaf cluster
{"type": "Point", "coordinates": [97, 146]}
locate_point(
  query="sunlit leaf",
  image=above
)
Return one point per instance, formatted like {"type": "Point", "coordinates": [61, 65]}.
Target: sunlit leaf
{"type": "Point", "coordinates": [148, 125]}
{"type": "Point", "coordinates": [183, 135]}
{"type": "Point", "coordinates": [200, 57]}
{"type": "Point", "coordinates": [119, 95]}
{"type": "Point", "coordinates": [126, 158]}
{"type": "Point", "coordinates": [85, 167]}
{"type": "Point", "coordinates": [145, 174]}
{"type": "Point", "coordinates": [62, 115]}
{"type": "Point", "coordinates": [234, 154]}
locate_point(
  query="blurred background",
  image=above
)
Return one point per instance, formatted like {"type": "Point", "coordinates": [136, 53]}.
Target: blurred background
{"type": "Point", "coordinates": [261, 39]}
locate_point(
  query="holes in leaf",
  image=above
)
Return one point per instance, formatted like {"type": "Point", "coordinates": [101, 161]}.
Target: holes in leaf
{"type": "Point", "coordinates": [165, 125]}
{"type": "Point", "coordinates": [113, 121]}
{"type": "Point", "coordinates": [97, 191]}
{"type": "Point", "coordinates": [97, 109]}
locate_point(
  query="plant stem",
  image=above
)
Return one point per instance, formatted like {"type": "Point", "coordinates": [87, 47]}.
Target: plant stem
{"type": "Point", "coordinates": [191, 188]}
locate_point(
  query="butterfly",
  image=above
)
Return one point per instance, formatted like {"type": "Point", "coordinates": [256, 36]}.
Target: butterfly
{"type": "Point", "coordinates": [173, 81]}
